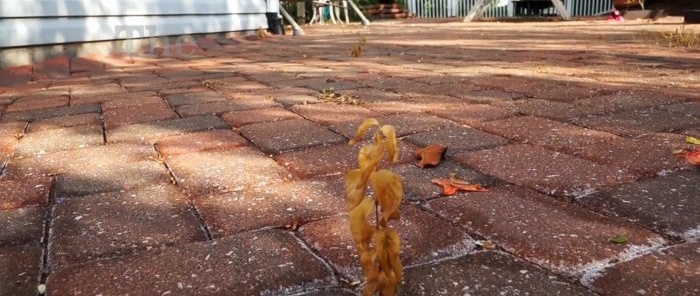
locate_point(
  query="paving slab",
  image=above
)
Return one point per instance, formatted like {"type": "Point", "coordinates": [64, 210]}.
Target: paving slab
{"type": "Point", "coordinates": [686, 109]}
{"type": "Point", "coordinates": [319, 83]}
{"type": "Point", "coordinates": [370, 94]}
{"type": "Point", "coordinates": [137, 114]}
{"type": "Point", "coordinates": [472, 114]}
{"type": "Point", "coordinates": [621, 101]}
{"type": "Point", "coordinates": [671, 271]}
{"type": "Point", "coordinates": [152, 132]}
{"type": "Point", "coordinates": [158, 87]}
{"type": "Point", "coordinates": [65, 122]}
{"type": "Point", "coordinates": [95, 90]}
{"type": "Point", "coordinates": [119, 223]}
{"type": "Point", "coordinates": [105, 177]}
{"type": "Point", "coordinates": [330, 113]}
{"type": "Point", "coordinates": [636, 123]}
{"type": "Point", "coordinates": [405, 124]}
{"type": "Point", "coordinates": [102, 98]}
{"type": "Point", "coordinates": [7, 145]}
{"type": "Point", "coordinates": [194, 97]}
{"type": "Point", "coordinates": [16, 75]}
{"type": "Point", "coordinates": [86, 64]}
{"type": "Point", "coordinates": [23, 226]}
{"type": "Point", "coordinates": [332, 239]}
{"type": "Point", "coordinates": [644, 156]}
{"type": "Point", "coordinates": [333, 160]}
{"type": "Point", "coordinates": [215, 171]}
{"type": "Point", "coordinates": [52, 68]}
{"type": "Point", "coordinates": [245, 117]}
{"type": "Point", "coordinates": [275, 206]}
{"type": "Point", "coordinates": [488, 273]}
{"type": "Point", "coordinates": [283, 136]}
{"type": "Point", "coordinates": [58, 139]}
{"type": "Point", "coordinates": [32, 115]}
{"type": "Point", "coordinates": [12, 128]}
{"type": "Point", "coordinates": [231, 86]}
{"type": "Point", "coordinates": [39, 103]}
{"type": "Point", "coordinates": [554, 234]}
{"type": "Point", "coordinates": [546, 171]}
{"type": "Point", "coordinates": [457, 139]}
{"type": "Point", "coordinates": [92, 170]}
{"type": "Point", "coordinates": [22, 193]}
{"type": "Point", "coordinates": [252, 263]}
{"type": "Point", "coordinates": [218, 140]}
{"type": "Point", "coordinates": [21, 270]}
{"type": "Point", "coordinates": [221, 107]}
{"type": "Point", "coordinates": [664, 203]}
{"type": "Point", "coordinates": [130, 102]}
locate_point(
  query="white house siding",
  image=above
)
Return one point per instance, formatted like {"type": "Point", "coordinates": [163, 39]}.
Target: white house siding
{"type": "Point", "coordinates": [43, 22]}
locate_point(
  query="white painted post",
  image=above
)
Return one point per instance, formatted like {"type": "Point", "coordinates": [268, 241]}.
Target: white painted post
{"type": "Point", "coordinates": [365, 21]}
{"type": "Point", "coordinates": [477, 10]}
{"type": "Point", "coordinates": [561, 9]}
{"type": "Point", "coordinates": [296, 29]}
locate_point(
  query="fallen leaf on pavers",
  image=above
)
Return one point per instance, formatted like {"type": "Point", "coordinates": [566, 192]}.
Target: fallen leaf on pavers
{"type": "Point", "coordinates": [693, 157]}
{"type": "Point", "coordinates": [485, 244]}
{"type": "Point", "coordinates": [431, 155]}
{"type": "Point", "coordinates": [692, 140]}
{"type": "Point", "coordinates": [453, 184]}
{"type": "Point", "coordinates": [620, 239]}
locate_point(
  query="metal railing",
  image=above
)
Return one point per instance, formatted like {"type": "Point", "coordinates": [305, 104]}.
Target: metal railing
{"type": "Point", "coordinates": [498, 8]}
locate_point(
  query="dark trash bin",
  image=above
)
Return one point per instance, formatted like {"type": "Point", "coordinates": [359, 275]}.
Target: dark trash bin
{"type": "Point", "coordinates": [274, 23]}
{"type": "Point", "coordinates": [691, 16]}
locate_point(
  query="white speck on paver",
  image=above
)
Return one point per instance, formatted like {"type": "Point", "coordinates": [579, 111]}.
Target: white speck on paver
{"type": "Point", "coordinates": [41, 289]}
{"type": "Point", "coordinates": [641, 292]}
{"type": "Point", "coordinates": [180, 285]}
{"type": "Point", "coordinates": [78, 218]}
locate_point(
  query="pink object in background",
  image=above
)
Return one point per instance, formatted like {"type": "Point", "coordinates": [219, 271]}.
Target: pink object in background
{"type": "Point", "coordinates": [616, 16]}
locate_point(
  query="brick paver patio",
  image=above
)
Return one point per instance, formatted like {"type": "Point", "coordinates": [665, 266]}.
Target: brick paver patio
{"type": "Point", "coordinates": [220, 172]}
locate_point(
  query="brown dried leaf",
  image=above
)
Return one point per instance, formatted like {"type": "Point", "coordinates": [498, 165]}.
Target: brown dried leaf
{"type": "Point", "coordinates": [389, 192]}
{"type": "Point", "coordinates": [387, 244]}
{"type": "Point", "coordinates": [354, 187]}
{"type": "Point", "coordinates": [369, 158]}
{"type": "Point", "coordinates": [362, 130]}
{"type": "Point", "coordinates": [359, 226]}
{"type": "Point", "coordinates": [453, 184]}
{"type": "Point", "coordinates": [391, 144]}
{"type": "Point", "coordinates": [430, 155]}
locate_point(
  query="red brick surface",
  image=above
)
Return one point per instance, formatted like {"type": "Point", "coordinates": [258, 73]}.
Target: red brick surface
{"type": "Point", "coordinates": [53, 68]}
{"type": "Point", "coordinates": [218, 140]}
{"type": "Point", "coordinates": [283, 136]}
{"type": "Point", "coordinates": [21, 193]}
{"type": "Point", "coordinates": [554, 234]}
{"type": "Point", "coordinates": [245, 117]}
{"type": "Point", "coordinates": [223, 266]}
{"type": "Point", "coordinates": [120, 223]}
{"type": "Point", "coordinates": [32, 104]}
{"type": "Point", "coordinates": [15, 75]}
{"type": "Point", "coordinates": [137, 114]}
{"type": "Point", "coordinates": [546, 171]}
{"type": "Point", "coordinates": [672, 271]}
{"type": "Point", "coordinates": [179, 174]}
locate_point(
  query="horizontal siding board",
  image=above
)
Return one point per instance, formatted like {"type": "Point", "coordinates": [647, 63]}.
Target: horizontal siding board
{"type": "Point", "coordinates": [23, 32]}
{"type": "Point", "coordinates": [73, 8]}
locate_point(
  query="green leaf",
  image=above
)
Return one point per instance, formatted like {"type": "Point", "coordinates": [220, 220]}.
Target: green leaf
{"type": "Point", "coordinates": [619, 239]}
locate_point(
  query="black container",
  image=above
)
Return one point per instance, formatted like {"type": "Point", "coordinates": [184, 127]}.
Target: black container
{"type": "Point", "coordinates": [691, 16]}
{"type": "Point", "coordinates": [274, 23]}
